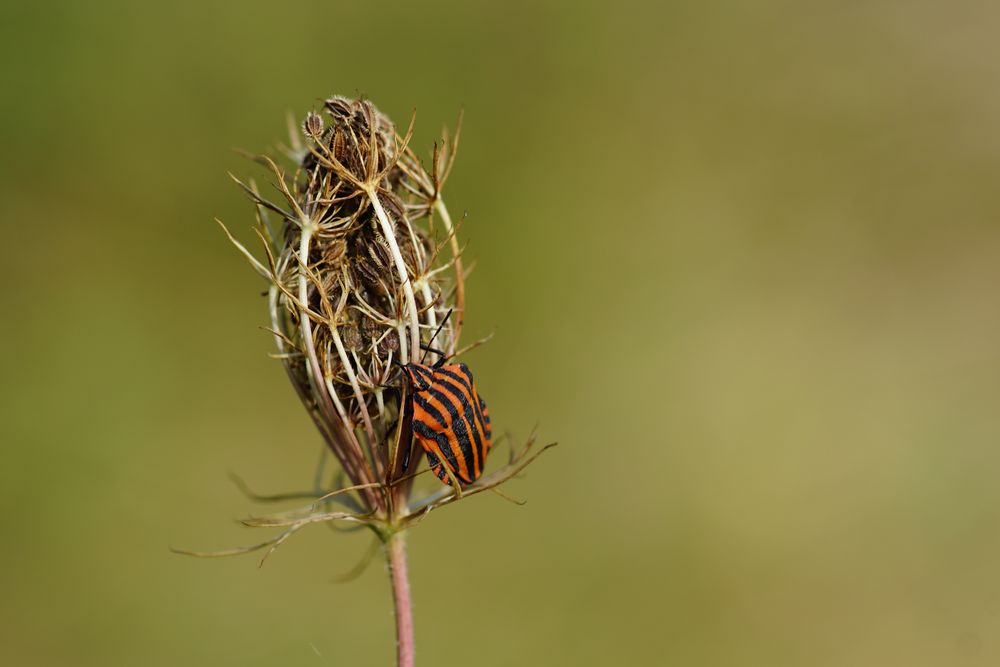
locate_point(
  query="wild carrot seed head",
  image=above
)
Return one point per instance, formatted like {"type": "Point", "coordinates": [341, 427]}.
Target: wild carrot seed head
{"type": "Point", "coordinates": [364, 269]}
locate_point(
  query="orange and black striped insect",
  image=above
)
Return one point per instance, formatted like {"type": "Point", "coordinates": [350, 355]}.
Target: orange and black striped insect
{"type": "Point", "coordinates": [450, 420]}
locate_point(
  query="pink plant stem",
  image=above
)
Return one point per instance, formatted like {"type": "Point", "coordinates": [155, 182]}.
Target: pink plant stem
{"type": "Point", "coordinates": [396, 553]}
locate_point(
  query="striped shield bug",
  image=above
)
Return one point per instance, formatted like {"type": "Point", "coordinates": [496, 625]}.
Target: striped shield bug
{"type": "Point", "coordinates": [449, 417]}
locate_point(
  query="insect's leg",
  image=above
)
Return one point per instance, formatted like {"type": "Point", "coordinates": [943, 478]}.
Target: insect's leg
{"type": "Point", "coordinates": [407, 418]}
{"type": "Point", "coordinates": [453, 481]}
{"type": "Point", "coordinates": [406, 455]}
{"type": "Point", "coordinates": [441, 474]}
{"type": "Point", "coordinates": [434, 463]}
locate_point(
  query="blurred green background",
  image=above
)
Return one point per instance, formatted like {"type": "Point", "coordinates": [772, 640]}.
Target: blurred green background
{"type": "Point", "coordinates": [742, 260]}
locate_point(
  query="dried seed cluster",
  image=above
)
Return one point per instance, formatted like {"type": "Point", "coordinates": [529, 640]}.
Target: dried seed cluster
{"type": "Point", "coordinates": [364, 267]}
{"type": "Point", "coordinates": [359, 280]}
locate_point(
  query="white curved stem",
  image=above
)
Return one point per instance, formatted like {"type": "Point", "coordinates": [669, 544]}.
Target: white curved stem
{"type": "Point", "coordinates": [404, 277]}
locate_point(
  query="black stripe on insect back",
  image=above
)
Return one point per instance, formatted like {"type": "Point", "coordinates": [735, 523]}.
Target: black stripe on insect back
{"type": "Point", "coordinates": [464, 376]}
{"type": "Point", "coordinates": [435, 463]}
{"type": "Point", "coordinates": [486, 418]}
{"type": "Point", "coordinates": [482, 425]}
{"type": "Point", "coordinates": [438, 435]}
{"type": "Point", "coordinates": [461, 424]}
{"type": "Point", "coordinates": [430, 409]}
{"type": "Point", "coordinates": [465, 379]}
{"type": "Point", "coordinates": [487, 429]}
{"type": "Point", "coordinates": [428, 433]}
{"type": "Point", "coordinates": [470, 417]}
{"type": "Point", "coordinates": [421, 372]}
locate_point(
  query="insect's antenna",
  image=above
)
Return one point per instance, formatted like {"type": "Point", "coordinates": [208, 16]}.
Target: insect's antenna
{"type": "Point", "coordinates": [436, 332]}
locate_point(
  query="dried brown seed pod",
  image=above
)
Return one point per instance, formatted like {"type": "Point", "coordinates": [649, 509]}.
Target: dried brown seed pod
{"type": "Point", "coordinates": [313, 125]}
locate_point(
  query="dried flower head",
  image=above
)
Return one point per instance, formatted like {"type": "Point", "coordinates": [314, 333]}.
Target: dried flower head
{"type": "Point", "coordinates": [364, 267]}
{"type": "Point", "coordinates": [364, 273]}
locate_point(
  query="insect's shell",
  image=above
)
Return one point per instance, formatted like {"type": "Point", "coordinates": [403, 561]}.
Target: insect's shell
{"type": "Point", "coordinates": [450, 420]}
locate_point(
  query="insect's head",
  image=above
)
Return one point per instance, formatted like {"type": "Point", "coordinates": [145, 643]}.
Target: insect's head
{"type": "Point", "coordinates": [418, 375]}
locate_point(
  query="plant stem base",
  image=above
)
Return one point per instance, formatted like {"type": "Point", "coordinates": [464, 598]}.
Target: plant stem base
{"type": "Point", "coordinates": [395, 549]}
